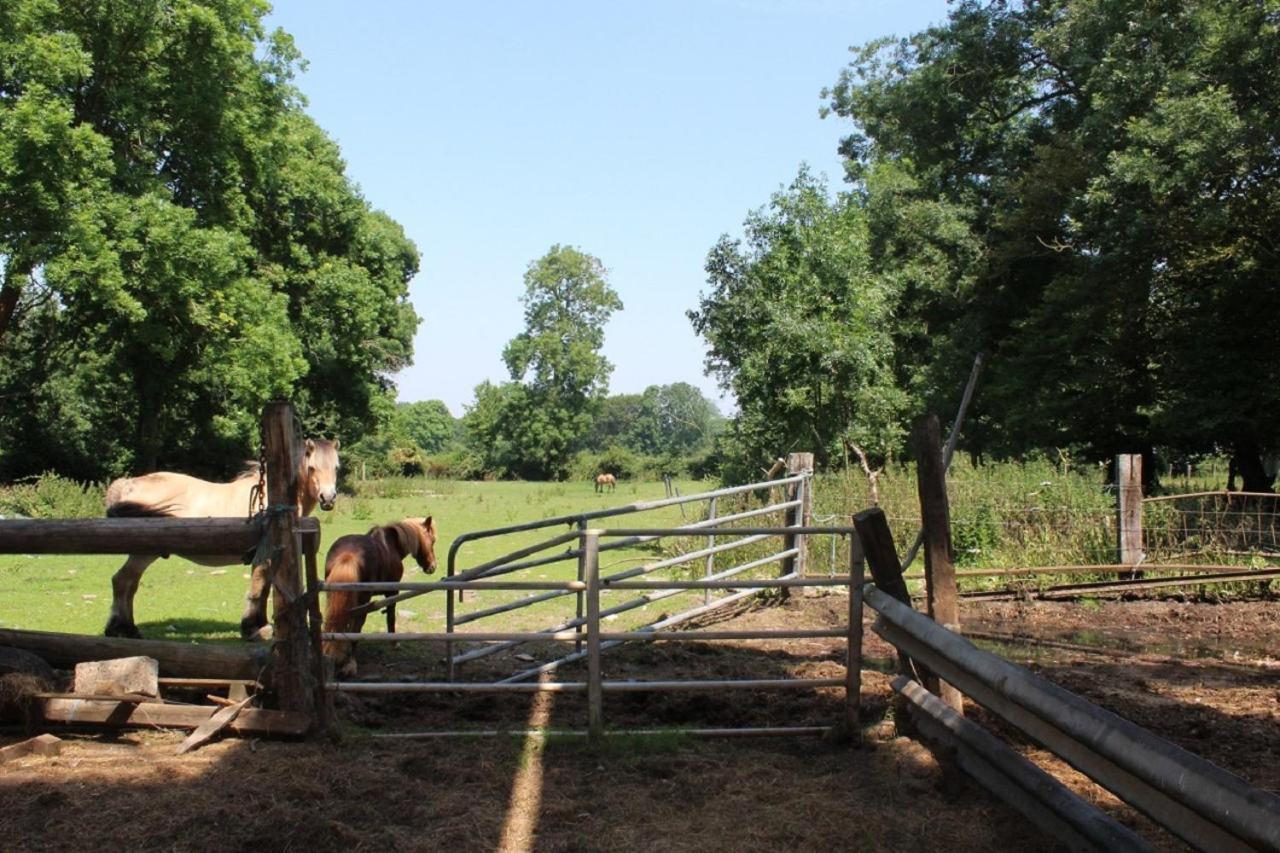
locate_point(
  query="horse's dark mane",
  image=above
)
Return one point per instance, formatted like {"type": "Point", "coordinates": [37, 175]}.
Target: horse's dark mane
{"type": "Point", "coordinates": [250, 469]}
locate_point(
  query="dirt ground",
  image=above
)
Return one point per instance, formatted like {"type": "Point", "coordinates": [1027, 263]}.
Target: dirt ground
{"type": "Point", "coordinates": [1202, 675]}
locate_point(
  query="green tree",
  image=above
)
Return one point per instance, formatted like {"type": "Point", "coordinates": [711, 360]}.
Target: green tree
{"type": "Point", "coordinates": [800, 330]}
{"type": "Point", "coordinates": [178, 243]}
{"type": "Point", "coordinates": [531, 426]}
{"type": "Point", "coordinates": [1117, 161]}
{"type": "Point", "coordinates": [428, 424]}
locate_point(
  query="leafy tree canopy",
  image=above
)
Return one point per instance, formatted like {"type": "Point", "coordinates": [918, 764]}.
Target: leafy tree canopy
{"type": "Point", "coordinates": [178, 243]}
{"type": "Point", "coordinates": [531, 426]}
{"type": "Point", "coordinates": [1116, 162]}
{"type": "Point", "coordinates": [800, 330]}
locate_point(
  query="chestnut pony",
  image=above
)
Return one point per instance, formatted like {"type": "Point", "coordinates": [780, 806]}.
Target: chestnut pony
{"type": "Point", "coordinates": [605, 480]}
{"type": "Point", "coordinates": [166, 494]}
{"type": "Point", "coordinates": [374, 557]}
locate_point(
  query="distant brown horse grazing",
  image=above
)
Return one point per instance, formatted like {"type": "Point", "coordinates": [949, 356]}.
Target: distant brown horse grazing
{"type": "Point", "coordinates": [179, 496]}
{"type": "Point", "coordinates": [605, 480]}
{"type": "Point", "coordinates": [376, 557]}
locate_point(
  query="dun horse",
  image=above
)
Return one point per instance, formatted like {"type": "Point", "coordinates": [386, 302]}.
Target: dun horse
{"type": "Point", "coordinates": [605, 480]}
{"type": "Point", "coordinates": [375, 557]}
{"type": "Point", "coordinates": [172, 495]}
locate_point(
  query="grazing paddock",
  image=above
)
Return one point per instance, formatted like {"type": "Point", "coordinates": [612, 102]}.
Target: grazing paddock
{"type": "Point", "coordinates": [666, 792]}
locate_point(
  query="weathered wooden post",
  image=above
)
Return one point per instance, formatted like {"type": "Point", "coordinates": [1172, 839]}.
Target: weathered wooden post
{"type": "Point", "coordinates": [939, 566]}
{"type": "Point", "coordinates": [853, 673]}
{"type": "Point", "coordinates": [798, 464]}
{"type": "Point", "coordinates": [291, 650]}
{"type": "Point", "coordinates": [1129, 490]}
{"type": "Point", "coordinates": [886, 571]}
{"type": "Point", "coordinates": [595, 694]}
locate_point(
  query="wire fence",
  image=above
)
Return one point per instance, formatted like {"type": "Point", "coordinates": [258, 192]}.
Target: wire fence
{"type": "Point", "coordinates": [1039, 515]}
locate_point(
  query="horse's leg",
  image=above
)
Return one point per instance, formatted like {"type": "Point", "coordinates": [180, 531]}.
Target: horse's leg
{"type": "Point", "coordinates": [253, 623]}
{"type": "Point", "coordinates": [124, 583]}
{"type": "Point", "coordinates": [391, 623]}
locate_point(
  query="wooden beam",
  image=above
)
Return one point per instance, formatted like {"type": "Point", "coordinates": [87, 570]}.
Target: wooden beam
{"type": "Point", "coordinates": [215, 536]}
{"type": "Point", "coordinates": [102, 712]}
{"type": "Point", "coordinates": [39, 745]}
{"type": "Point", "coordinates": [221, 661]}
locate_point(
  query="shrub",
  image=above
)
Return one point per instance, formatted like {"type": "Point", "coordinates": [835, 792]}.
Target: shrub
{"type": "Point", "coordinates": [53, 496]}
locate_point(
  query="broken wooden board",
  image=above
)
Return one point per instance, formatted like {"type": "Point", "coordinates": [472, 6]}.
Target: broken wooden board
{"type": "Point", "coordinates": [39, 745]}
{"type": "Point", "coordinates": [103, 712]}
{"type": "Point", "coordinates": [210, 727]}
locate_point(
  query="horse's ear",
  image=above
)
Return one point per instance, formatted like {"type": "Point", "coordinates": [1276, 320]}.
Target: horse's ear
{"type": "Point", "coordinates": [336, 444]}
{"type": "Point", "coordinates": [311, 447]}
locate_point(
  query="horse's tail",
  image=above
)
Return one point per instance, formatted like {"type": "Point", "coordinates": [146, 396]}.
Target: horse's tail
{"type": "Point", "coordinates": [341, 566]}
{"type": "Point", "coordinates": [133, 509]}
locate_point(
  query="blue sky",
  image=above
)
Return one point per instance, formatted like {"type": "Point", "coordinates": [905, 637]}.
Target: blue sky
{"type": "Point", "coordinates": [638, 132]}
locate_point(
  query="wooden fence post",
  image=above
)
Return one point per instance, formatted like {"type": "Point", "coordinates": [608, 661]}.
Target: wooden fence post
{"type": "Point", "coordinates": [1129, 489]}
{"type": "Point", "coordinates": [886, 571]}
{"type": "Point", "coordinates": [935, 514]}
{"type": "Point", "coordinates": [853, 672]}
{"type": "Point", "coordinates": [798, 464]}
{"type": "Point", "coordinates": [595, 694]}
{"type": "Point", "coordinates": [291, 649]}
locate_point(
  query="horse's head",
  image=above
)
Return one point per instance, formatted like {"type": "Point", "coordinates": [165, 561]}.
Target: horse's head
{"type": "Point", "coordinates": [319, 472]}
{"type": "Point", "coordinates": [418, 537]}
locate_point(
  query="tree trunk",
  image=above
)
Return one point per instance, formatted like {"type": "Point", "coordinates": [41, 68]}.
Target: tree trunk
{"type": "Point", "coordinates": [1247, 457]}
{"type": "Point", "coordinates": [10, 292]}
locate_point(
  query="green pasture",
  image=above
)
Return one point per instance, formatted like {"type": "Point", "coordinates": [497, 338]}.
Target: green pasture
{"type": "Point", "coordinates": [1003, 515]}
{"type": "Point", "coordinates": [182, 600]}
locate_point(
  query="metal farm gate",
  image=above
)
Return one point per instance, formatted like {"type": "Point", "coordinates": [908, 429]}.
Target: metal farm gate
{"type": "Point", "coordinates": [580, 623]}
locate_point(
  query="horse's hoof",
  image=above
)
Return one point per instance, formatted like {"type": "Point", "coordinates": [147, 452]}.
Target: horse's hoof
{"type": "Point", "coordinates": [349, 669]}
{"type": "Point", "coordinates": [120, 628]}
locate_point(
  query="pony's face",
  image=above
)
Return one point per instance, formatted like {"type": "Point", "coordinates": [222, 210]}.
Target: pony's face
{"type": "Point", "coordinates": [320, 471]}
{"type": "Point", "coordinates": [424, 529]}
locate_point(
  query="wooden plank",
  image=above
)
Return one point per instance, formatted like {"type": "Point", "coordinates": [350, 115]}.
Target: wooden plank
{"type": "Point", "coordinates": [45, 744]}
{"type": "Point", "coordinates": [935, 514]}
{"type": "Point", "coordinates": [210, 727]}
{"type": "Point", "coordinates": [117, 714]}
{"type": "Point", "coordinates": [214, 536]}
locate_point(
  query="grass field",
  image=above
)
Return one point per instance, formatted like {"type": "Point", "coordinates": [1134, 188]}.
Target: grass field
{"type": "Point", "coordinates": [1035, 514]}
{"type": "Point", "coordinates": [182, 600]}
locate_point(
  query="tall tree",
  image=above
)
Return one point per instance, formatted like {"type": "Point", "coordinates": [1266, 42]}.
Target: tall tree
{"type": "Point", "coordinates": [1119, 163]}
{"type": "Point", "coordinates": [799, 329]}
{"type": "Point", "coordinates": [178, 242]}
{"type": "Point", "coordinates": [531, 427]}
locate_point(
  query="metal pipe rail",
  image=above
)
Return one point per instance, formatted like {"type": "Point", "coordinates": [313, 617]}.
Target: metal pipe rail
{"type": "Point", "coordinates": [607, 579]}
{"type": "Point", "coordinates": [583, 517]}
{"type": "Point", "coordinates": [582, 686]}
{"type": "Point", "coordinates": [661, 592]}
{"type": "Point", "coordinates": [1199, 802]}
{"type": "Point", "coordinates": [596, 639]}
{"type": "Point", "coordinates": [574, 636]}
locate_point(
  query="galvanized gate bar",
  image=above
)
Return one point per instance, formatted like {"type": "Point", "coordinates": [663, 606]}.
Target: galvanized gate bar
{"type": "Point", "coordinates": [1197, 800]}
